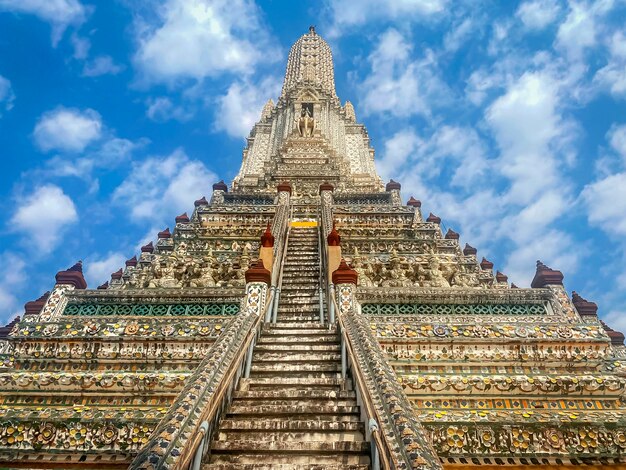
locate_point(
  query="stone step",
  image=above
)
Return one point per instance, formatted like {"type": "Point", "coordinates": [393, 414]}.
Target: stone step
{"type": "Point", "coordinates": [294, 394]}
{"type": "Point", "coordinates": [301, 310]}
{"type": "Point", "coordinates": [317, 452]}
{"type": "Point", "coordinates": [302, 405]}
{"type": "Point", "coordinates": [294, 436]}
{"type": "Point", "coordinates": [294, 383]}
{"type": "Point", "coordinates": [295, 356]}
{"type": "Point", "coordinates": [312, 339]}
{"type": "Point", "coordinates": [285, 367]}
{"type": "Point", "coordinates": [285, 466]}
{"type": "Point", "coordinates": [299, 331]}
{"type": "Point", "coordinates": [297, 324]}
{"type": "Point", "coordinates": [297, 318]}
{"type": "Point", "coordinates": [335, 412]}
{"type": "Point", "coordinates": [295, 347]}
{"type": "Point", "coordinates": [295, 328]}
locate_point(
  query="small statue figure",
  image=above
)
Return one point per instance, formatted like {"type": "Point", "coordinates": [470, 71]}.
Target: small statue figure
{"type": "Point", "coordinates": [306, 123]}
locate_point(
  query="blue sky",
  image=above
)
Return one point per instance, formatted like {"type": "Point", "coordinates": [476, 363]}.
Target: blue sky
{"type": "Point", "coordinates": [507, 119]}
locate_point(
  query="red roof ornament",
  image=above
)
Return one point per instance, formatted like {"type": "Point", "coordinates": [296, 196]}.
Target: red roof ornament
{"type": "Point", "coordinates": [451, 235]}
{"type": "Point", "coordinates": [149, 248]}
{"type": "Point", "coordinates": [257, 273]}
{"type": "Point", "coordinates": [104, 286]}
{"type": "Point", "coordinates": [72, 276]}
{"type": "Point", "coordinates": [34, 306]}
{"type": "Point", "coordinates": [333, 239]}
{"type": "Point", "coordinates": [469, 250]}
{"type": "Point", "coordinates": [201, 202]}
{"type": "Point", "coordinates": [501, 277]}
{"type": "Point", "coordinates": [117, 275]}
{"type": "Point", "coordinates": [486, 264]}
{"type": "Point", "coordinates": [182, 218]}
{"type": "Point", "coordinates": [220, 186]}
{"type": "Point", "coordinates": [546, 276]}
{"type": "Point", "coordinates": [131, 262]}
{"type": "Point", "coordinates": [326, 186]}
{"type": "Point", "coordinates": [617, 337]}
{"type": "Point", "coordinates": [583, 306]}
{"type": "Point", "coordinates": [344, 274]}
{"type": "Point", "coordinates": [414, 202]}
{"type": "Point", "coordinates": [433, 218]}
{"type": "Point", "coordinates": [267, 239]}
{"type": "Point", "coordinates": [284, 187]}
{"type": "Point", "coordinates": [393, 186]}
{"type": "Point", "coordinates": [6, 329]}
{"type": "Point", "coordinates": [164, 234]}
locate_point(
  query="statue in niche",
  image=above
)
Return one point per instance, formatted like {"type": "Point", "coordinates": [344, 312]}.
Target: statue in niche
{"type": "Point", "coordinates": [306, 123]}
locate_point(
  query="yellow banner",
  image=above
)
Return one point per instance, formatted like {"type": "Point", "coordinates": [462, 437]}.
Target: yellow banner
{"type": "Point", "coordinates": [304, 223]}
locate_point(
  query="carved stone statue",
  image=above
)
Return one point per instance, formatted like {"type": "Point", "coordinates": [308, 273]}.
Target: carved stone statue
{"type": "Point", "coordinates": [306, 123]}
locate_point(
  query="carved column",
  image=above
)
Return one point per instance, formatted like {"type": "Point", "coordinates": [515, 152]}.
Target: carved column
{"type": "Point", "coordinates": [258, 280]}
{"type": "Point", "coordinates": [394, 187]}
{"type": "Point", "coordinates": [219, 189]}
{"type": "Point", "coordinates": [326, 198]}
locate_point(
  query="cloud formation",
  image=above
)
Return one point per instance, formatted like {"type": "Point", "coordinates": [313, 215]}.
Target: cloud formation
{"type": "Point", "coordinates": [43, 216]}
{"type": "Point", "coordinates": [217, 37]}
{"type": "Point", "coordinates": [59, 13]}
{"type": "Point", "coordinates": [67, 129]}
{"type": "Point", "coordinates": [6, 95]}
{"type": "Point", "coordinates": [161, 187]}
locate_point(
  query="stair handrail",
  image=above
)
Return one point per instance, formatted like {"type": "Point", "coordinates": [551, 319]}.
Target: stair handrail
{"type": "Point", "coordinates": [365, 392]}
{"type": "Point", "coordinates": [280, 260]}
{"type": "Point", "coordinates": [372, 417]}
{"type": "Point", "coordinates": [323, 263]}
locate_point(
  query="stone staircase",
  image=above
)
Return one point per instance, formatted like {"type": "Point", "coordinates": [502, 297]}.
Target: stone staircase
{"type": "Point", "coordinates": [294, 412]}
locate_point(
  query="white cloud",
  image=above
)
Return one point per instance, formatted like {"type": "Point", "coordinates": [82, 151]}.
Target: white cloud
{"type": "Point", "coordinates": [11, 281]}
{"type": "Point", "coordinates": [81, 46]}
{"type": "Point", "coordinates": [606, 204]}
{"type": "Point", "coordinates": [66, 129]}
{"type": "Point", "coordinates": [101, 65]}
{"type": "Point", "coordinates": [43, 215]}
{"type": "Point", "coordinates": [202, 38]}
{"type": "Point", "coordinates": [529, 131]}
{"type": "Point", "coordinates": [613, 75]}
{"type": "Point", "coordinates": [160, 188]}
{"type": "Point", "coordinates": [59, 13]}
{"type": "Point", "coordinates": [98, 270]}
{"type": "Point", "coordinates": [110, 154]}
{"type": "Point", "coordinates": [578, 31]}
{"type": "Point", "coordinates": [454, 39]}
{"type": "Point", "coordinates": [163, 109]}
{"type": "Point", "coordinates": [537, 14]}
{"type": "Point", "coordinates": [397, 152]}
{"type": "Point", "coordinates": [241, 107]}
{"type": "Point", "coordinates": [582, 27]}
{"type": "Point", "coordinates": [347, 13]}
{"type": "Point", "coordinates": [617, 139]}
{"type": "Point", "coordinates": [399, 85]}
{"type": "Point", "coordinates": [6, 94]}
{"type": "Point", "coordinates": [616, 319]}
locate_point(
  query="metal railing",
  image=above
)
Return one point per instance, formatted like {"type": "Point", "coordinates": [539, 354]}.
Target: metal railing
{"type": "Point", "coordinates": [277, 271]}
{"type": "Point", "coordinates": [322, 257]}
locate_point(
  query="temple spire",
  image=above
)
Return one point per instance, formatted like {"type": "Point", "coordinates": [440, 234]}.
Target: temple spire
{"type": "Point", "coordinates": [311, 61]}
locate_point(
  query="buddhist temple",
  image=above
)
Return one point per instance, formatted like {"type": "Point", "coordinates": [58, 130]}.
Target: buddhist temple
{"type": "Point", "coordinates": [310, 316]}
